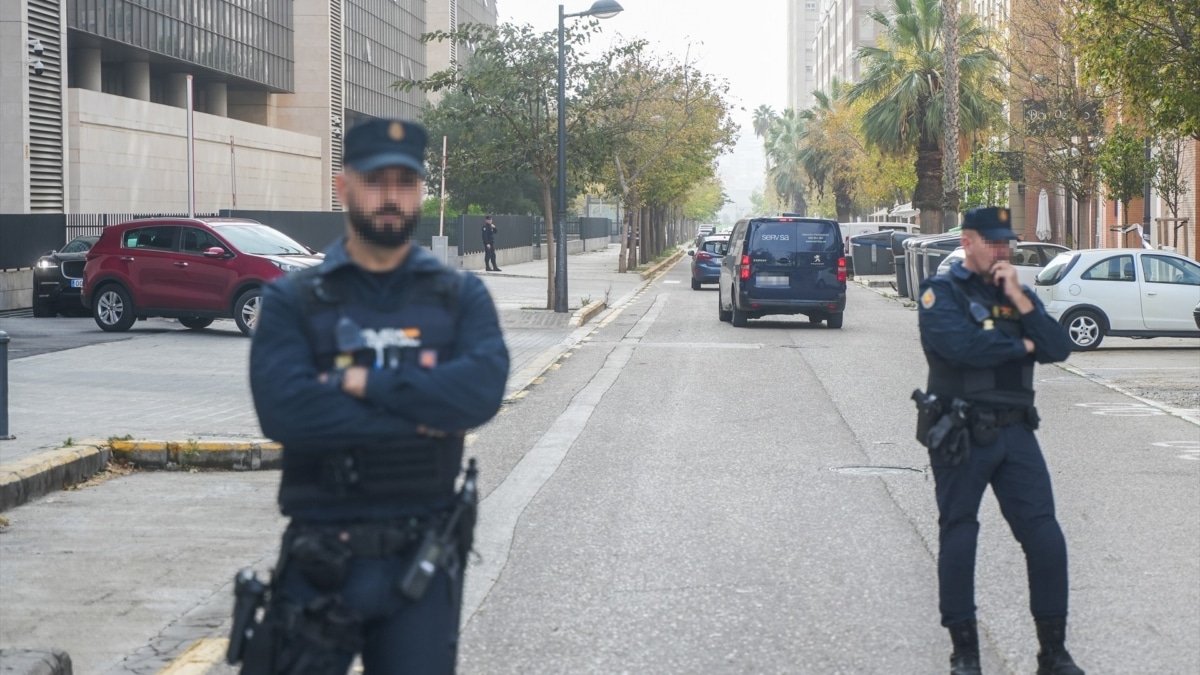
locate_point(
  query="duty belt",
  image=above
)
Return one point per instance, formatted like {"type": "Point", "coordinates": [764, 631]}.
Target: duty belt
{"type": "Point", "coordinates": [1009, 416]}
{"type": "Point", "coordinates": [369, 540]}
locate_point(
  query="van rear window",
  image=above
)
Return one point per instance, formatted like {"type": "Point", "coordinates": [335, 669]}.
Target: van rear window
{"type": "Point", "coordinates": [795, 237]}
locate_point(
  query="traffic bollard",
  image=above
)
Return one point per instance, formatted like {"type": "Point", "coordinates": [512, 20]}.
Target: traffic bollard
{"type": "Point", "coordinates": [4, 387]}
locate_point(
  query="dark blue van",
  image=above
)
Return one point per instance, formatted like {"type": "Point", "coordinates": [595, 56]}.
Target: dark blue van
{"type": "Point", "coordinates": [783, 265]}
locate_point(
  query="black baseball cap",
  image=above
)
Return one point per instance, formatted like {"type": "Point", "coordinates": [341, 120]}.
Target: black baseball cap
{"type": "Point", "coordinates": [991, 222]}
{"type": "Point", "coordinates": [378, 143]}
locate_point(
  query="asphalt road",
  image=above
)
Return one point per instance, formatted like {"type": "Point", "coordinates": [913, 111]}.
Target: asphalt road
{"type": "Point", "coordinates": [680, 496]}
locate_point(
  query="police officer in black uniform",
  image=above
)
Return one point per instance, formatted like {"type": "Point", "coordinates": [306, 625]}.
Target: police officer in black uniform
{"type": "Point", "coordinates": [489, 245]}
{"type": "Point", "coordinates": [368, 369]}
{"type": "Point", "coordinates": [982, 332]}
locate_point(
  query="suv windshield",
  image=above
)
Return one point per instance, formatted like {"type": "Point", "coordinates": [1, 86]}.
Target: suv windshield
{"type": "Point", "coordinates": [79, 245]}
{"type": "Point", "coordinates": [260, 240]}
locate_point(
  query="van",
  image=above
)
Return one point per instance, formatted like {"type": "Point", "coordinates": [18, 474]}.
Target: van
{"type": "Point", "coordinates": [783, 265]}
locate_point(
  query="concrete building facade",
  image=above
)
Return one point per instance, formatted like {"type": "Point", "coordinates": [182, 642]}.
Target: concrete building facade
{"type": "Point", "coordinates": [844, 26]}
{"type": "Point", "coordinates": [94, 97]}
{"type": "Point", "coordinates": [803, 16]}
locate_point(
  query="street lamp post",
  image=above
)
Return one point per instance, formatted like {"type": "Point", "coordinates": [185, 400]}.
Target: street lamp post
{"type": "Point", "coordinates": [602, 9]}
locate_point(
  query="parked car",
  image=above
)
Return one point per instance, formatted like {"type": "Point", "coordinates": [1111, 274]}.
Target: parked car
{"type": "Point", "coordinates": [706, 259]}
{"type": "Point", "coordinates": [58, 279]}
{"type": "Point", "coordinates": [783, 265]}
{"type": "Point", "coordinates": [1129, 292]}
{"type": "Point", "coordinates": [195, 270]}
{"type": "Point", "coordinates": [1030, 259]}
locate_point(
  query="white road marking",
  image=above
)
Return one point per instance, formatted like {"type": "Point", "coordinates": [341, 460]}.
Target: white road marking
{"type": "Point", "coordinates": [502, 509]}
{"type": "Point", "coordinates": [1122, 409]}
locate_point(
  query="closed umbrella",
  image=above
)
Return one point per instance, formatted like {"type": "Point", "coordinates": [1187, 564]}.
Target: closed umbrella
{"type": "Point", "coordinates": [1043, 217]}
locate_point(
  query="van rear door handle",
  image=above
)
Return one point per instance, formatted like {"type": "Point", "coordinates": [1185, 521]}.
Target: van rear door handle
{"type": "Point", "coordinates": [126, 258]}
{"type": "Point", "coordinates": [1151, 293]}
{"type": "Point", "coordinates": [180, 263]}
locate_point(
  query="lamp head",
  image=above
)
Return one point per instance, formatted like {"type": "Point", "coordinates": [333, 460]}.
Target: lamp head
{"type": "Point", "coordinates": [604, 9]}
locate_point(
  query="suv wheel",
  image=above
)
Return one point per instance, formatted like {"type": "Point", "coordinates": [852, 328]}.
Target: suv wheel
{"type": "Point", "coordinates": [739, 318]}
{"type": "Point", "coordinates": [113, 309]}
{"type": "Point", "coordinates": [835, 320]}
{"type": "Point", "coordinates": [1086, 329]}
{"type": "Point", "coordinates": [721, 313]}
{"type": "Point", "coordinates": [245, 310]}
{"type": "Point", "coordinates": [42, 309]}
{"type": "Point", "coordinates": [196, 322]}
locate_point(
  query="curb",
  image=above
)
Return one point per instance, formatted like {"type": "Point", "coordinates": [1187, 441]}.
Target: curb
{"type": "Point", "coordinates": [35, 662]}
{"type": "Point", "coordinates": [584, 314]}
{"type": "Point", "coordinates": [230, 455]}
{"type": "Point", "coordinates": [51, 471]}
{"type": "Point", "coordinates": [47, 472]}
{"type": "Point", "coordinates": [664, 264]}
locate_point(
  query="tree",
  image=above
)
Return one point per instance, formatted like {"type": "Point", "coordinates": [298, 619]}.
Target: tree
{"type": "Point", "coordinates": [829, 148]}
{"type": "Point", "coordinates": [1149, 51]}
{"type": "Point", "coordinates": [1123, 166]}
{"type": "Point", "coordinates": [704, 200]}
{"type": "Point", "coordinates": [950, 144]}
{"type": "Point", "coordinates": [1168, 179]}
{"type": "Point", "coordinates": [667, 124]}
{"type": "Point", "coordinates": [786, 170]}
{"type": "Point", "coordinates": [903, 82]}
{"type": "Point", "coordinates": [510, 87]}
{"type": "Point", "coordinates": [1058, 120]}
{"type": "Point", "coordinates": [984, 179]}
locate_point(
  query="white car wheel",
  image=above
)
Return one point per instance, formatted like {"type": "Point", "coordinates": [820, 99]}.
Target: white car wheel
{"type": "Point", "coordinates": [1086, 330]}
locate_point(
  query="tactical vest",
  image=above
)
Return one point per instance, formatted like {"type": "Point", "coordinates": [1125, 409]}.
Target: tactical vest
{"type": "Point", "coordinates": [1007, 385]}
{"type": "Point", "coordinates": [417, 330]}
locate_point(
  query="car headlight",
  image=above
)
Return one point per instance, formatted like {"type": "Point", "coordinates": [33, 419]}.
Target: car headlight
{"type": "Point", "coordinates": [46, 264]}
{"type": "Point", "coordinates": [287, 267]}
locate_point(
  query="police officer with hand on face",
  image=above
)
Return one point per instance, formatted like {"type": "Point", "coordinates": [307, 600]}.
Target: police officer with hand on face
{"type": "Point", "coordinates": [368, 369]}
{"type": "Point", "coordinates": [982, 332]}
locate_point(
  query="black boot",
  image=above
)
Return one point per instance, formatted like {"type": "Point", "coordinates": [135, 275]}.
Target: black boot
{"type": "Point", "coordinates": [965, 659]}
{"type": "Point", "coordinates": [1053, 658]}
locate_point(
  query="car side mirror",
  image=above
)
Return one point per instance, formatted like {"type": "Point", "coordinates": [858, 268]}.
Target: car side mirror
{"type": "Point", "coordinates": [311, 250]}
{"type": "Point", "coordinates": [214, 252]}
{"type": "Point", "coordinates": [692, 253]}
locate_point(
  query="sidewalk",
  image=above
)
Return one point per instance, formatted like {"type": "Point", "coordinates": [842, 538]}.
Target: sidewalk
{"type": "Point", "coordinates": [166, 382]}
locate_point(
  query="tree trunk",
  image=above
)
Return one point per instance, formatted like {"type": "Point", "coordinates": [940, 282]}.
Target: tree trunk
{"type": "Point", "coordinates": [927, 196]}
{"type": "Point", "coordinates": [950, 122]}
{"type": "Point", "coordinates": [622, 262]}
{"type": "Point", "coordinates": [548, 208]}
{"type": "Point", "coordinates": [641, 237]}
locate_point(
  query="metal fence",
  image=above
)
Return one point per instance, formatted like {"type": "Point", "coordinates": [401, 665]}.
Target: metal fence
{"type": "Point", "coordinates": [26, 237]}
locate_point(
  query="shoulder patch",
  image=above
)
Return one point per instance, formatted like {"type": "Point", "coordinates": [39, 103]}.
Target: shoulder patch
{"type": "Point", "coordinates": [928, 298]}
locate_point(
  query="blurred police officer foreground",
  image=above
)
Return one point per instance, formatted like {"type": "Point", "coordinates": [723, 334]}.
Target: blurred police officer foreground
{"type": "Point", "coordinates": [982, 333]}
{"type": "Point", "coordinates": [369, 368]}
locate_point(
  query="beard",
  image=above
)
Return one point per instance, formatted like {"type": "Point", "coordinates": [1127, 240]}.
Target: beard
{"type": "Point", "coordinates": [383, 236]}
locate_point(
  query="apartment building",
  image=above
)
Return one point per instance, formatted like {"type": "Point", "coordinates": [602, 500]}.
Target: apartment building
{"type": "Point", "coordinates": [844, 26]}
{"type": "Point", "coordinates": [803, 17]}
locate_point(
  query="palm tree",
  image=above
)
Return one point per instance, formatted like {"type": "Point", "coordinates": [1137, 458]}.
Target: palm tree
{"type": "Point", "coordinates": [902, 82]}
{"type": "Point", "coordinates": [764, 116]}
{"type": "Point", "coordinates": [785, 171]}
{"type": "Point", "coordinates": [827, 148]}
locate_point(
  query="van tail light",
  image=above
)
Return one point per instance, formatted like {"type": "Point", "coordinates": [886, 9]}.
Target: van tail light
{"type": "Point", "coordinates": [842, 270]}
{"type": "Point", "coordinates": [703, 256]}
{"type": "Point", "coordinates": [744, 272]}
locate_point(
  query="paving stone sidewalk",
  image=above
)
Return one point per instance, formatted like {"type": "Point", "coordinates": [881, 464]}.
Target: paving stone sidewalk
{"type": "Point", "coordinates": [167, 382]}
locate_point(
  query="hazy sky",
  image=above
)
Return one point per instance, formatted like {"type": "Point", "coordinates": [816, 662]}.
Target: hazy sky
{"type": "Point", "coordinates": [741, 42]}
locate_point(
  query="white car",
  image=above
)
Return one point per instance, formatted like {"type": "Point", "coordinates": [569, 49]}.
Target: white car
{"type": "Point", "coordinates": [1123, 292]}
{"type": "Point", "coordinates": [1030, 259]}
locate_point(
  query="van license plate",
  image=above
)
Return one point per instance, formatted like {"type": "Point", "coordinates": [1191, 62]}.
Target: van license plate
{"type": "Point", "coordinates": [764, 280]}
{"type": "Point", "coordinates": [77, 283]}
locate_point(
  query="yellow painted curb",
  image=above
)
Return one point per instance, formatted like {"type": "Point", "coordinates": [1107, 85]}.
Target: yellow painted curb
{"type": "Point", "coordinates": [199, 658]}
{"type": "Point", "coordinates": [662, 265]}
{"type": "Point", "coordinates": [585, 313]}
{"type": "Point", "coordinates": [236, 455]}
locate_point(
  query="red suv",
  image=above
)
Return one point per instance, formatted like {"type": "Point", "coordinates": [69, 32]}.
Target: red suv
{"type": "Point", "coordinates": [195, 270]}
